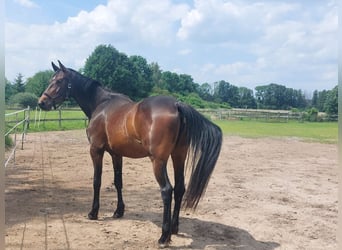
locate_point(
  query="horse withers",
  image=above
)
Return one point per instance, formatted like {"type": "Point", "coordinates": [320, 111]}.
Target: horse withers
{"type": "Point", "coordinates": [156, 127]}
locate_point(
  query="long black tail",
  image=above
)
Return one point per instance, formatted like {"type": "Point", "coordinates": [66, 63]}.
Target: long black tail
{"type": "Point", "coordinates": [204, 139]}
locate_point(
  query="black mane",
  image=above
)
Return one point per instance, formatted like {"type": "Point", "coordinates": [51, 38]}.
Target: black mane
{"type": "Point", "coordinates": [86, 91]}
{"type": "Point", "coordinates": [88, 84]}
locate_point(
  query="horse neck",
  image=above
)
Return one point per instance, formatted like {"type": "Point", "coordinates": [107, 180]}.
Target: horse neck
{"type": "Point", "coordinates": [87, 98]}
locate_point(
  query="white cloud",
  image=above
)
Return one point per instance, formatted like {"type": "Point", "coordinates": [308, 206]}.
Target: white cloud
{"type": "Point", "coordinates": [192, 19]}
{"type": "Point", "coordinates": [243, 42]}
{"type": "Point", "coordinates": [265, 42]}
{"type": "Point", "coordinates": [26, 3]}
{"type": "Point", "coordinates": [119, 23]}
{"type": "Point", "coordinates": [154, 20]}
{"type": "Point", "coordinates": [184, 52]}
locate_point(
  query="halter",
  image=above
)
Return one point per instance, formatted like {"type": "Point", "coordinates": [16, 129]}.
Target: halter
{"type": "Point", "coordinates": [67, 94]}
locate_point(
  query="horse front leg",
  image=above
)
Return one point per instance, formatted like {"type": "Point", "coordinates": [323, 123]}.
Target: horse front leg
{"type": "Point", "coordinates": [97, 157]}
{"type": "Point", "coordinates": [160, 173]}
{"type": "Point", "coordinates": [117, 165]}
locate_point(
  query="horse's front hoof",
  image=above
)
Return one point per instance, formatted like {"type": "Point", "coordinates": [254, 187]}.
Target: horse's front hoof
{"type": "Point", "coordinates": [163, 245]}
{"type": "Point", "coordinates": [119, 212]}
{"type": "Point", "coordinates": [164, 241]}
{"type": "Point", "coordinates": [92, 216]}
{"type": "Point", "coordinates": [117, 215]}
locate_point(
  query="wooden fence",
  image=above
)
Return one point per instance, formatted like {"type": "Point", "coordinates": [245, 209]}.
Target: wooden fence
{"type": "Point", "coordinates": [13, 121]}
{"type": "Point", "coordinates": [41, 119]}
{"type": "Point", "coordinates": [213, 114]}
{"type": "Point", "coordinates": [262, 115]}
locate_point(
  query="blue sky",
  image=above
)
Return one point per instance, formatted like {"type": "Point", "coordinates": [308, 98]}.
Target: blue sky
{"type": "Point", "coordinates": [244, 42]}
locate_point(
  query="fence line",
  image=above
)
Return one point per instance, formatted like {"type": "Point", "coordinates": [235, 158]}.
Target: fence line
{"type": "Point", "coordinates": [14, 129]}
{"type": "Point", "coordinates": [38, 119]}
{"type": "Point", "coordinates": [252, 114]}
{"type": "Point", "coordinates": [264, 115]}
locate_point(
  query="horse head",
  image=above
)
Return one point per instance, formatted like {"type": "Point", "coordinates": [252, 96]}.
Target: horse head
{"type": "Point", "coordinates": [58, 89]}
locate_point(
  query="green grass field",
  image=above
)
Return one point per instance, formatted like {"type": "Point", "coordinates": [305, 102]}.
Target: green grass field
{"type": "Point", "coordinates": [41, 125]}
{"type": "Point", "coordinates": [325, 132]}
{"type": "Point", "coordinates": [37, 118]}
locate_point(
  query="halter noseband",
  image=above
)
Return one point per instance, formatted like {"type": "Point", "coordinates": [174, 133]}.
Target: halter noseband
{"type": "Point", "coordinates": [67, 94]}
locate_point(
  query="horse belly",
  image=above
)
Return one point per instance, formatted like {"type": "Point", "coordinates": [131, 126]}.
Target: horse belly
{"type": "Point", "coordinates": [130, 148]}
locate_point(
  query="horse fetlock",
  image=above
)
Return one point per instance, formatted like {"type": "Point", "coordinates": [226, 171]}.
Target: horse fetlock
{"type": "Point", "coordinates": [174, 229]}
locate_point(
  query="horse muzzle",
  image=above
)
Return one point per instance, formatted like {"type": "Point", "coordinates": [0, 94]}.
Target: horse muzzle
{"type": "Point", "coordinates": [44, 103]}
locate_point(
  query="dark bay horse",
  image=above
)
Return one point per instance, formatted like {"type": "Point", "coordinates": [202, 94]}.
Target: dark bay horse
{"type": "Point", "coordinates": [157, 127]}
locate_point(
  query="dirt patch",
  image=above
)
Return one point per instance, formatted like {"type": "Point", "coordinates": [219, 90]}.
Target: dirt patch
{"type": "Point", "coordinates": [264, 194]}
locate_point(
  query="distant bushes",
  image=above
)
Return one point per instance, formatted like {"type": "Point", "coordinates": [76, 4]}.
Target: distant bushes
{"type": "Point", "coordinates": [8, 141]}
{"type": "Point", "coordinates": [24, 99]}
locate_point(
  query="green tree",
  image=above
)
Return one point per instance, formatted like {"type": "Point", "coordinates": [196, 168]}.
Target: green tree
{"type": "Point", "coordinates": [186, 84]}
{"type": "Point", "coordinates": [100, 65]}
{"type": "Point", "coordinates": [9, 90]}
{"type": "Point", "coordinates": [19, 83]}
{"type": "Point", "coordinates": [300, 100]}
{"type": "Point", "coordinates": [227, 93]}
{"type": "Point", "coordinates": [293, 99]}
{"type": "Point", "coordinates": [205, 91]}
{"type": "Point", "coordinates": [156, 75]}
{"type": "Point", "coordinates": [143, 75]}
{"type": "Point", "coordinates": [38, 82]}
{"type": "Point", "coordinates": [169, 81]}
{"type": "Point", "coordinates": [314, 101]}
{"type": "Point", "coordinates": [268, 96]}
{"type": "Point", "coordinates": [246, 98]}
{"type": "Point", "coordinates": [275, 96]}
{"type": "Point", "coordinates": [331, 102]}
{"type": "Point", "coordinates": [130, 76]}
{"type": "Point", "coordinates": [322, 96]}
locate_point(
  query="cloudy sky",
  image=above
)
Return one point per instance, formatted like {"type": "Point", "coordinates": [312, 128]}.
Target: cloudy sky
{"type": "Point", "coordinates": [244, 42]}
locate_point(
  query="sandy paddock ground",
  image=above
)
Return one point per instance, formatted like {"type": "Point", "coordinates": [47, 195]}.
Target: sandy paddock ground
{"type": "Point", "coordinates": [267, 193]}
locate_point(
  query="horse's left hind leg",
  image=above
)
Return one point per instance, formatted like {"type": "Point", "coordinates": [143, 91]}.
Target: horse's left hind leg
{"type": "Point", "coordinates": [117, 164]}
{"type": "Point", "coordinates": [160, 172]}
{"type": "Point", "coordinates": [178, 158]}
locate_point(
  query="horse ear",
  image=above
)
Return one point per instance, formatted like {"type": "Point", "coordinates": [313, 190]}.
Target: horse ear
{"type": "Point", "coordinates": [63, 68]}
{"type": "Point", "coordinates": [55, 68]}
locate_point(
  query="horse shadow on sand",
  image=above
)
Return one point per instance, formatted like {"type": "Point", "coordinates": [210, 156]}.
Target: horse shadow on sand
{"type": "Point", "coordinates": [209, 235]}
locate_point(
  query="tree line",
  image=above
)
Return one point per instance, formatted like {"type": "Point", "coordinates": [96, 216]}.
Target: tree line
{"type": "Point", "coordinates": [135, 77]}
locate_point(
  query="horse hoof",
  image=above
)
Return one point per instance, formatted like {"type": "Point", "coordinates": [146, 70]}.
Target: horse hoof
{"type": "Point", "coordinates": [119, 212]}
{"type": "Point", "coordinates": [92, 217]}
{"type": "Point", "coordinates": [163, 243]}
{"type": "Point", "coordinates": [117, 215]}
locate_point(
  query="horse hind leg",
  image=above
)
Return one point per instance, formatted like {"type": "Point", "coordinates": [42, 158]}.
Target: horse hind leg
{"type": "Point", "coordinates": [160, 172]}
{"type": "Point", "coordinates": [117, 165]}
{"type": "Point", "coordinates": [178, 159]}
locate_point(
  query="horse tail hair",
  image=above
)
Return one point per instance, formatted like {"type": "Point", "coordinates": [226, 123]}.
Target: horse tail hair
{"type": "Point", "coordinates": [204, 140]}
